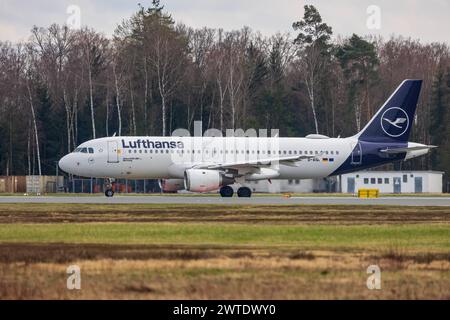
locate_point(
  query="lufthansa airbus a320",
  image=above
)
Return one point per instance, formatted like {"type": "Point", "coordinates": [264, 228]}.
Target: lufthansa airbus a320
{"type": "Point", "coordinates": [205, 164]}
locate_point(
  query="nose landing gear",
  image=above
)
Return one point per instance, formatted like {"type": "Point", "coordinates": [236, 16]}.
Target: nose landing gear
{"type": "Point", "coordinates": [109, 192]}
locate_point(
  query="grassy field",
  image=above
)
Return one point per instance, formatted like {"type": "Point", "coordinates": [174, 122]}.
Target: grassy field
{"type": "Point", "coordinates": [223, 252]}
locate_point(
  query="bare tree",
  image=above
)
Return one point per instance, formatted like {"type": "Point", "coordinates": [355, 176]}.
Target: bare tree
{"type": "Point", "coordinates": [93, 47]}
{"type": "Point", "coordinates": [313, 41]}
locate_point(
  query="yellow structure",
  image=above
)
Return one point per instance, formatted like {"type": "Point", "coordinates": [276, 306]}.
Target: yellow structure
{"type": "Point", "coordinates": [368, 193]}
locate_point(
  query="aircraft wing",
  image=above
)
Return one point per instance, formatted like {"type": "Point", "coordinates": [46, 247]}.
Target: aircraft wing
{"type": "Point", "coordinates": [407, 149]}
{"type": "Point", "coordinates": [257, 163]}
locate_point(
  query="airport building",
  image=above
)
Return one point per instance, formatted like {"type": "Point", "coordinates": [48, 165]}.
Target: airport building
{"type": "Point", "coordinates": [393, 181]}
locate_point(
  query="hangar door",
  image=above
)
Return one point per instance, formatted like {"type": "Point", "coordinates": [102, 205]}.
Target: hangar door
{"type": "Point", "coordinates": [113, 154]}
{"type": "Point", "coordinates": [397, 185]}
{"type": "Point", "coordinates": [351, 185]}
{"type": "Point", "coordinates": [418, 185]}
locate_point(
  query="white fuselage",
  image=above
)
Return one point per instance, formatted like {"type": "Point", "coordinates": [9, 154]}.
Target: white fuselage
{"type": "Point", "coordinates": [167, 158]}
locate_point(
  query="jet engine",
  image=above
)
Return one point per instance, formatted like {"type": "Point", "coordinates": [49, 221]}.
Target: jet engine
{"type": "Point", "coordinates": [171, 185]}
{"type": "Point", "coordinates": [197, 180]}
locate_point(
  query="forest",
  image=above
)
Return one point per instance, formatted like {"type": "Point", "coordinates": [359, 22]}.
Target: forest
{"type": "Point", "coordinates": [63, 86]}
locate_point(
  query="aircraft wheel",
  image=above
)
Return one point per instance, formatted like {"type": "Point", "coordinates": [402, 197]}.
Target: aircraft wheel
{"type": "Point", "coordinates": [109, 193]}
{"type": "Point", "coordinates": [226, 192]}
{"type": "Point", "coordinates": [244, 192]}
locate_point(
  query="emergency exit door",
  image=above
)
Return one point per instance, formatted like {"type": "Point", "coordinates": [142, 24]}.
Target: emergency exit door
{"type": "Point", "coordinates": [357, 154]}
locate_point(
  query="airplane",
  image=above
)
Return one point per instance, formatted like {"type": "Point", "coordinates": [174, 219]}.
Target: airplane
{"type": "Point", "coordinates": [207, 164]}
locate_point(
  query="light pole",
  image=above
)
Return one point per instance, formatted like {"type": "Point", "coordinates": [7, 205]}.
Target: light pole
{"type": "Point", "coordinates": [57, 176]}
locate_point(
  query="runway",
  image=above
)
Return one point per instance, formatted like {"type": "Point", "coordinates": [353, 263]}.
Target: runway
{"type": "Point", "coordinates": [211, 200]}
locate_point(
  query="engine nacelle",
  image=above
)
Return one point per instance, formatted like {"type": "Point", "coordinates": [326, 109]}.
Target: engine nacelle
{"type": "Point", "coordinates": [197, 180]}
{"type": "Point", "coordinates": [171, 185]}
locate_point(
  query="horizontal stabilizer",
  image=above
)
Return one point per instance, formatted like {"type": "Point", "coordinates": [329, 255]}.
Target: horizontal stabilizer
{"type": "Point", "coordinates": [408, 149]}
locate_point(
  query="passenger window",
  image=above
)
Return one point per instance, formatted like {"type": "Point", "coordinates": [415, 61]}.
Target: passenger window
{"type": "Point", "coordinates": [366, 180]}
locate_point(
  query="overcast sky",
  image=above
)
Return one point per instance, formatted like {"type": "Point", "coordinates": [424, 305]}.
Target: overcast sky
{"type": "Point", "coordinates": [427, 20]}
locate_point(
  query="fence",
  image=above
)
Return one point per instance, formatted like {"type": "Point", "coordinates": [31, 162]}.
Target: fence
{"type": "Point", "coordinates": [94, 185]}
{"type": "Point", "coordinates": [12, 184]}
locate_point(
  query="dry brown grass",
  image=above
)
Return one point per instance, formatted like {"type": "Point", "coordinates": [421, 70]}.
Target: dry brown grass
{"type": "Point", "coordinates": [263, 275]}
{"type": "Point", "coordinates": [270, 214]}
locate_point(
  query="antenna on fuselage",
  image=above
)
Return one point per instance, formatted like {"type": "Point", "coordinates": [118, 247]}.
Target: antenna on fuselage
{"type": "Point", "coordinates": [114, 134]}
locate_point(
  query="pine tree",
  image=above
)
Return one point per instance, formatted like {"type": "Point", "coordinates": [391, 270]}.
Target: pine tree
{"type": "Point", "coordinates": [439, 120]}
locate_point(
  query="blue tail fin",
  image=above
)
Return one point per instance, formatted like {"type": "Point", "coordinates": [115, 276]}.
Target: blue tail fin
{"type": "Point", "coordinates": [393, 122]}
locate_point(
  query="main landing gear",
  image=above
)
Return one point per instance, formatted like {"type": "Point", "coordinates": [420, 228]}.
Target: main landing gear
{"type": "Point", "coordinates": [226, 192]}
{"type": "Point", "coordinates": [243, 192]}
{"type": "Point", "coordinates": [109, 192]}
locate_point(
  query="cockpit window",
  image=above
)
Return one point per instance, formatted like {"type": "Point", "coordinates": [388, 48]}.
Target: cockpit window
{"type": "Point", "coordinates": [84, 150]}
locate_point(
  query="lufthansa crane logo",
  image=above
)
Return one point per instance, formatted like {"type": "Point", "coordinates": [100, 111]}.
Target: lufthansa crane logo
{"type": "Point", "coordinates": [395, 122]}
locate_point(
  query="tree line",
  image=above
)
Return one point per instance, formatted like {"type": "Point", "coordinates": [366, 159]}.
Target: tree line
{"type": "Point", "coordinates": [63, 87]}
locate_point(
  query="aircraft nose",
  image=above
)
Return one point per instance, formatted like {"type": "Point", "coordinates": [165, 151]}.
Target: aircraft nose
{"type": "Point", "coordinates": [64, 163]}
